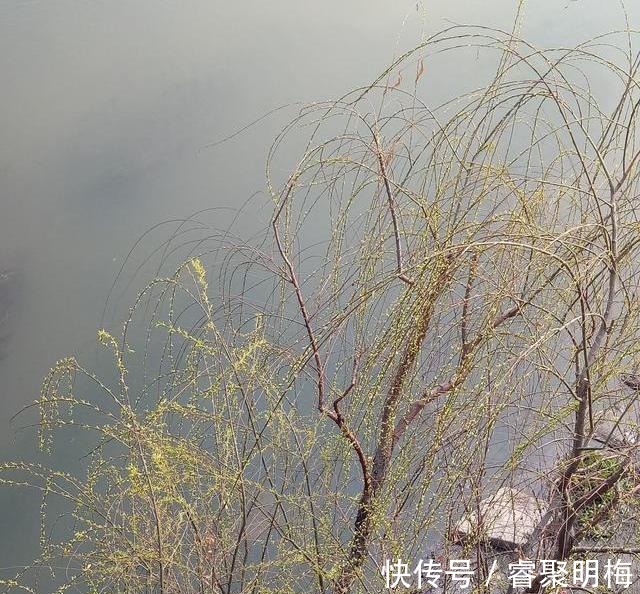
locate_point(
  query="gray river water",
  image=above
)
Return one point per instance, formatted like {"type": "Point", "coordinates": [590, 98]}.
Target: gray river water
{"type": "Point", "coordinates": [107, 109]}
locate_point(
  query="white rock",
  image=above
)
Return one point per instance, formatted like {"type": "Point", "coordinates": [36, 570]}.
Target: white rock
{"type": "Point", "coordinates": [507, 519]}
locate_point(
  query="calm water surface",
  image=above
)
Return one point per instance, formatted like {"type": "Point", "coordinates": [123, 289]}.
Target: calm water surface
{"type": "Point", "coordinates": [106, 111]}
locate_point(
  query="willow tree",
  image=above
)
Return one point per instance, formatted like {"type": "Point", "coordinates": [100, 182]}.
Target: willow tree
{"type": "Point", "coordinates": [443, 304]}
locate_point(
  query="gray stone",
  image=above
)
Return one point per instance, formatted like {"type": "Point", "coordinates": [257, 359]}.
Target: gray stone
{"type": "Point", "coordinates": [615, 433]}
{"type": "Point", "coordinates": [507, 519]}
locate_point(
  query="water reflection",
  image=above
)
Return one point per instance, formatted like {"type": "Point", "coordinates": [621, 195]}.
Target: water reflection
{"type": "Point", "coordinates": [105, 110]}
